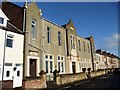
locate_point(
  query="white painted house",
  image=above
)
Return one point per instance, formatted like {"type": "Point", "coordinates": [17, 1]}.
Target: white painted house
{"type": "Point", "coordinates": [11, 52]}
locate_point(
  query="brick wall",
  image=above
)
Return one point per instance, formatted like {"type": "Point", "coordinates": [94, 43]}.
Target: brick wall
{"type": "Point", "coordinates": [34, 83]}
{"type": "Point", "coordinates": [6, 84]}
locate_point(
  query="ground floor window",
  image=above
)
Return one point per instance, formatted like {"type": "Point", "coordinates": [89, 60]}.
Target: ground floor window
{"type": "Point", "coordinates": [61, 63]}
{"type": "Point", "coordinates": [49, 63]}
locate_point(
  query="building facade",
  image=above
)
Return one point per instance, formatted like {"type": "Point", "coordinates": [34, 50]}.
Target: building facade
{"type": "Point", "coordinates": [106, 60]}
{"type": "Point", "coordinates": [11, 57]}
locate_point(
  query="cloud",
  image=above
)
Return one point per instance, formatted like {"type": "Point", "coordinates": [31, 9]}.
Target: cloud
{"type": "Point", "coordinates": [112, 41]}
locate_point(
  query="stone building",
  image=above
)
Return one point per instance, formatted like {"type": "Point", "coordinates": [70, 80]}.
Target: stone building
{"type": "Point", "coordinates": [47, 45]}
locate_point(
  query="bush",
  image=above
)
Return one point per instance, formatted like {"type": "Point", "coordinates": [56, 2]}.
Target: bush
{"type": "Point", "coordinates": [42, 72]}
{"type": "Point", "coordinates": [84, 69]}
{"type": "Point", "coordinates": [89, 69]}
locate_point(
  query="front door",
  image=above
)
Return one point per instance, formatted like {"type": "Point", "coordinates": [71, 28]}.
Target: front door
{"type": "Point", "coordinates": [32, 67]}
{"type": "Point", "coordinates": [17, 77]}
{"type": "Point", "coordinates": [73, 67]}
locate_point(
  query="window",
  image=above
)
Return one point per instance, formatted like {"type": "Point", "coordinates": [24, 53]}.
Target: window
{"type": "Point", "coordinates": [1, 20]}
{"type": "Point", "coordinates": [7, 73]}
{"type": "Point", "coordinates": [50, 66]}
{"type": "Point", "coordinates": [18, 64]}
{"type": "Point", "coordinates": [79, 66]}
{"type": "Point", "coordinates": [50, 57]}
{"type": "Point", "coordinates": [61, 58]}
{"type": "Point", "coordinates": [72, 42]}
{"type": "Point", "coordinates": [33, 25]}
{"type": "Point", "coordinates": [48, 34]}
{"type": "Point", "coordinates": [46, 66]}
{"type": "Point", "coordinates": [79, 45]}
{"type": "Point", "coordinates": [18, 73]}
{"type": "Point", "coordinates": [60, 63]}
{"type": "Point", "coordinates": [59, 38]}
{"type": "Point", "coordinates": [84, 46]}
{"type": "Point", "coordinates": [88, 48]}
{"type": "Point", "coordinates": [8, 64]}
{"type": "Point", "coordinates": [49, 63]}
{"type": "Point", "coordinates": [9, 41]}
{"type": "Point", "coordinates": [62, 66]}
{"type": "Point", "coordinates": [58, 57]}
{"type": "Point", "coordinates": [46, 56]}
{"type": "Point", "coordinates": [59, 66]}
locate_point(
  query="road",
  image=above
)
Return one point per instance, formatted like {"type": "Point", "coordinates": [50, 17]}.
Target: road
{"type": "Point", "coordinates": [107, 81]}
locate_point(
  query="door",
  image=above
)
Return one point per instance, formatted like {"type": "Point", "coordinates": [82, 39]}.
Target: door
{"type": "Point", "coordinates": [17, 77]}
{"type": "Point", "coordinates": [73, 67]}
{"type": "Point", "coordinates": [32, 67]}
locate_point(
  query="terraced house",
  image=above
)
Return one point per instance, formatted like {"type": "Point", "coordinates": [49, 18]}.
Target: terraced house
{"type": "Point", "coordinates": [11, 57]}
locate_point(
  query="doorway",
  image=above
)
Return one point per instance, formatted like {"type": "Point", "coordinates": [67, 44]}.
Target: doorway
{"type": "Point", "coordinates": [73, 67]}
{"type": "Point", "coordinates": [32, 67]}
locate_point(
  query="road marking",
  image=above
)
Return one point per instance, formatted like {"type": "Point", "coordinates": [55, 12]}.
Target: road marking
{"type": "Point", "coordinates": [66, 87]}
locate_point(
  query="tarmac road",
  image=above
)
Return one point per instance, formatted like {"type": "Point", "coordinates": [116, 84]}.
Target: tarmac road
{"type": "Point", "coordinates": [107, 81]}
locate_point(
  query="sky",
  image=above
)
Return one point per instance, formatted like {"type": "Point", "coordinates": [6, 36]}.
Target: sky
{"type": "Point", "coordinates": [99, 19]}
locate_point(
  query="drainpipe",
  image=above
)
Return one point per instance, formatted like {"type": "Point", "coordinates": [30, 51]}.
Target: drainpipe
{"type": "Point", "coordinates": [4, 56]}
{"type": "Point", "coordinates": [43, 52]}
{"type": "Point", "coordinates": [24, 25]}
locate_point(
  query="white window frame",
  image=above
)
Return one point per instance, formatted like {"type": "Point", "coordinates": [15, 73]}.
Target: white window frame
{"type": "Point", "coordinates": [33, 36]}
{"type": "Point", "coordinates": [49, 60]}
{"type": "Point", "coordinates": [72, 42]}
{"type": "Point", "coordinates": [61, 61]}
{"type": "Point", "coordinates": [2, 20]}
{"type": "Point", "coordinates": [11, 37]}
{"type": "Point", "coordinates": [59, 38]}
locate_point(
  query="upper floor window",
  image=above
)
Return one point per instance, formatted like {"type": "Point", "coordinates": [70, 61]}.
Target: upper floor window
{"type": "Point", "coordinates": [79, 45]}
{"type": "Point", "coordinates": [1, 20]}
{"type": "Point", "coordinates": [72, 42]}
{"type": "Point", "coordinates": [59, 38]}
{"type": "Point", "coordinates": [33, 25]}
{"type": "Point", "coordinates": [84, 46]}
{"type": "Point", "coordinates": [48, 34]}
{"type": "Point", "coordinates": [88, 48]}
{"type": "Point", "coordinates": [9, 42]}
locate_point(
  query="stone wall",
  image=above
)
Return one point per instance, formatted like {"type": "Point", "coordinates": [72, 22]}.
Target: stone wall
{"type": "Point", "coordinates": [35, 83]}
{"type": "Point", "coordinates": [68, 78]}
{"type": "Point", "coordinates": [98, 73]}
{"type": "Point", "coordinates": [6, 84]}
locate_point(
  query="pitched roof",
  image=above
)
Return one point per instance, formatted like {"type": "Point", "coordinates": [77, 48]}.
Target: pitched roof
{"type": "Point", "coordinates": [3, 15]}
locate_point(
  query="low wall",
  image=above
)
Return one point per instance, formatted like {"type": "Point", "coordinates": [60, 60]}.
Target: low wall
{"type": "Point", "coordinates": [34, 83]}
{"type": "Point", "coordinates": [8, 84]}
{"type": "Point", "coordinates": [98, 73]}
{"type": "Point", "coordinates": [69, 78]}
